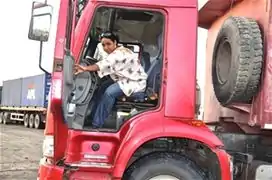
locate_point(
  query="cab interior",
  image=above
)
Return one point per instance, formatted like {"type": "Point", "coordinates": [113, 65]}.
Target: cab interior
{"type": "Point", "coordinates": [142, 32]}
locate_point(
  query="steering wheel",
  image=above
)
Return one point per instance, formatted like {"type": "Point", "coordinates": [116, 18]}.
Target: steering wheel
{"type": "Point", "coordinates": [85, 85]}
{"type": "Point", "coordinates": [91, 60]}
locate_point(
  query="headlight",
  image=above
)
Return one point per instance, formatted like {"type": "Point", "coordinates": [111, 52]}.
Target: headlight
{"type": "Point", "coordinates": [48, 146]}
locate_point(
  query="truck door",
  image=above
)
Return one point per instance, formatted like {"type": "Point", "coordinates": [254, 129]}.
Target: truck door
{"type": "Point", "coordinates": [66, 28]}
{"type": "Point", "coordinates": [41, 30]}
{"type": "Point", "coordinates": [69, 12]}
{"type": "Point", "coordinates": [63, 58]}
{"type": "Point", "coordinates": [62, 71]}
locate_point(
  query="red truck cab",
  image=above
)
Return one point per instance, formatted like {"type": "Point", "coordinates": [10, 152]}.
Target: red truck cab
{"type": "Point", "coordinates": [151, 136]}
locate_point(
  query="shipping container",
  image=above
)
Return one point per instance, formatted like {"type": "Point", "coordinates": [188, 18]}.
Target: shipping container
{"type": "Point", "coordinates": [25, 100]}
{"type": "Point", "coordinates": [35, 90]}
{"type": "Point", "coordinates": [11, 92]}
{"type": "Point", "coordinates": [27, 92]}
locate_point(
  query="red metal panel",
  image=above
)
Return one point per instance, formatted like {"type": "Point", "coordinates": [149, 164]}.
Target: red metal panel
{"type": "Point", "coordinates": [158, 3]}
{"type": "Point", "coordinates": [54, 119]}
{"type": "Point", "coordinates": [50, 172]}
{"type": "Point", "coordinates": [61, 30]}
{"type": "Point", "coordinates": [181, 51]}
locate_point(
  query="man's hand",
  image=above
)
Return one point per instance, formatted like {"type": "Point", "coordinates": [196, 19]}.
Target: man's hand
{"type": "Point", "coordinates": [79, 69]}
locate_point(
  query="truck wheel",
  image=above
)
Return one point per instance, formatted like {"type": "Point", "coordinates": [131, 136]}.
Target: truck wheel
{"type": "Point", "coordinates": [26, 120]}
{"type": "Point", "coordinates": [1, 117]}
{"type": "Point", "coordinates": [164, 165]}
{"type": "Point", "coordinates": [38, 124]}
{"type": "Point", "coordinates": [31, 121]}
{"type": "Point", "coordinates": [237, 61]}
{"type": "Point", "coordinates": [6, 118]}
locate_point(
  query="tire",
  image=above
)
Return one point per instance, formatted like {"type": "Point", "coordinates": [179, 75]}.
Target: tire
{"type": "Point", "coordinates": [237, 61]}
{"type": "Point", "coordinates": [26, 120]}
{"type": "Point", "coordinates": [164, 165]}
{"type": "Point", "coordinates": [38, 124]}
{"type": "Point", "coordinates": [6, 119]}
{"type": "Point", "coordinates": [1, 117]}
{"type": "Point", "coordinates": [31, 121]}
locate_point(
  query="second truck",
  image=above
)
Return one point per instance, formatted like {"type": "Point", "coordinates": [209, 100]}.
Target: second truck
{"type": "Point", "coordinates": [25, 100]}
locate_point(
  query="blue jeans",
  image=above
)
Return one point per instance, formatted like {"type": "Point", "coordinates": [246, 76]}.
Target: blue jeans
{"type": "Point", "coordinates": [106, 100]}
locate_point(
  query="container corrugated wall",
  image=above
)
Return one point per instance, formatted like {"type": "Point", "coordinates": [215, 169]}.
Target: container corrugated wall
{"type": "Point", "coordinates": [27, 92]}
{"type": "Point", "coordinates": [11, 92]}
{"type": "Point", "coordinates": [33, 91]}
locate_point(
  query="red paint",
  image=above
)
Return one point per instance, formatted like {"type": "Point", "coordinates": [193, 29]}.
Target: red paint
{"type": "Point", "coordinates": [55, 125]}
{"type": "Point", "coordinates": [224, 164]}
{"type": "Point", "coordinates": [49, 172]}
{"type": "Point", "coordinates": [181, 62]}
{"type": "Point", "coordinates": [174, 117]}
{"type": "Point", "coordinates": [86, 176]}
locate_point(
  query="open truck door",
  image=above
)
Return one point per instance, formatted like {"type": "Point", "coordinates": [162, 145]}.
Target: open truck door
{"type": "Point", "coordinates": [62, 73]}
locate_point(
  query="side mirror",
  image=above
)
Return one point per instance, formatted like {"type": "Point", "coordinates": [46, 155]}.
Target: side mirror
{"type": "Point", "coordinates": [40, 22]}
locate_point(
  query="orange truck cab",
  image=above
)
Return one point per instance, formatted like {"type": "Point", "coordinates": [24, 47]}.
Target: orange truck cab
{"type": "Point", "coordinates": [147, 136]}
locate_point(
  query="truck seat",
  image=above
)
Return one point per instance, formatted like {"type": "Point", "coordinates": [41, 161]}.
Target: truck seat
{"type": "Point", "coordinates": [153, 84]}
{"type": "Point", "coordinates": [145, 61]}
{"type": "Point", "coordinates": [153, 80]}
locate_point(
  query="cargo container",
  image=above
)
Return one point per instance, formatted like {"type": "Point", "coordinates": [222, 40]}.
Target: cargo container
{"type": "Point", "coordinates": [11, 92]}
{"type": "Point", "coordinates": [25, 100]}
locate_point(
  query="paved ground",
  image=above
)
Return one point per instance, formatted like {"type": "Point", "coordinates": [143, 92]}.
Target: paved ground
{"type": "Point", "coordinates": [20, 151]}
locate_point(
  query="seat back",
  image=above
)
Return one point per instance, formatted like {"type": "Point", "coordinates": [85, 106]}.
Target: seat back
{"type": "Point", "coordinates": [154, 75]}
{"type": "Point", "coordinates": [145, 61]}
{"type": "Point", "coordinates": [154, 72]}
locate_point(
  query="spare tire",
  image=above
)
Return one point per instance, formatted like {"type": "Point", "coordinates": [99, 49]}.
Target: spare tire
{"type": "Point", "coordinates": [237, 61]}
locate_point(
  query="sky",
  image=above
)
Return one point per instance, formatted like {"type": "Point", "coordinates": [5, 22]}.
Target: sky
{"type": "Point", "coordinates": [19, 56]}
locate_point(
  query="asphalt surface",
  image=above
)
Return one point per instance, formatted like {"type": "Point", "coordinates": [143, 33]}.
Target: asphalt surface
{"type": "Point", "coordinates": [20, 152]}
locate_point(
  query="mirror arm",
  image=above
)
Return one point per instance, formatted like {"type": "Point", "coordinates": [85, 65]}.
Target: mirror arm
{"type": "Point", "coordinates": [40, 59]}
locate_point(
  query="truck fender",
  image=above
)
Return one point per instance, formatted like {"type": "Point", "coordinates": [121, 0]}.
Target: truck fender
{"type": "Point", "coordinates": [146, 131]}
